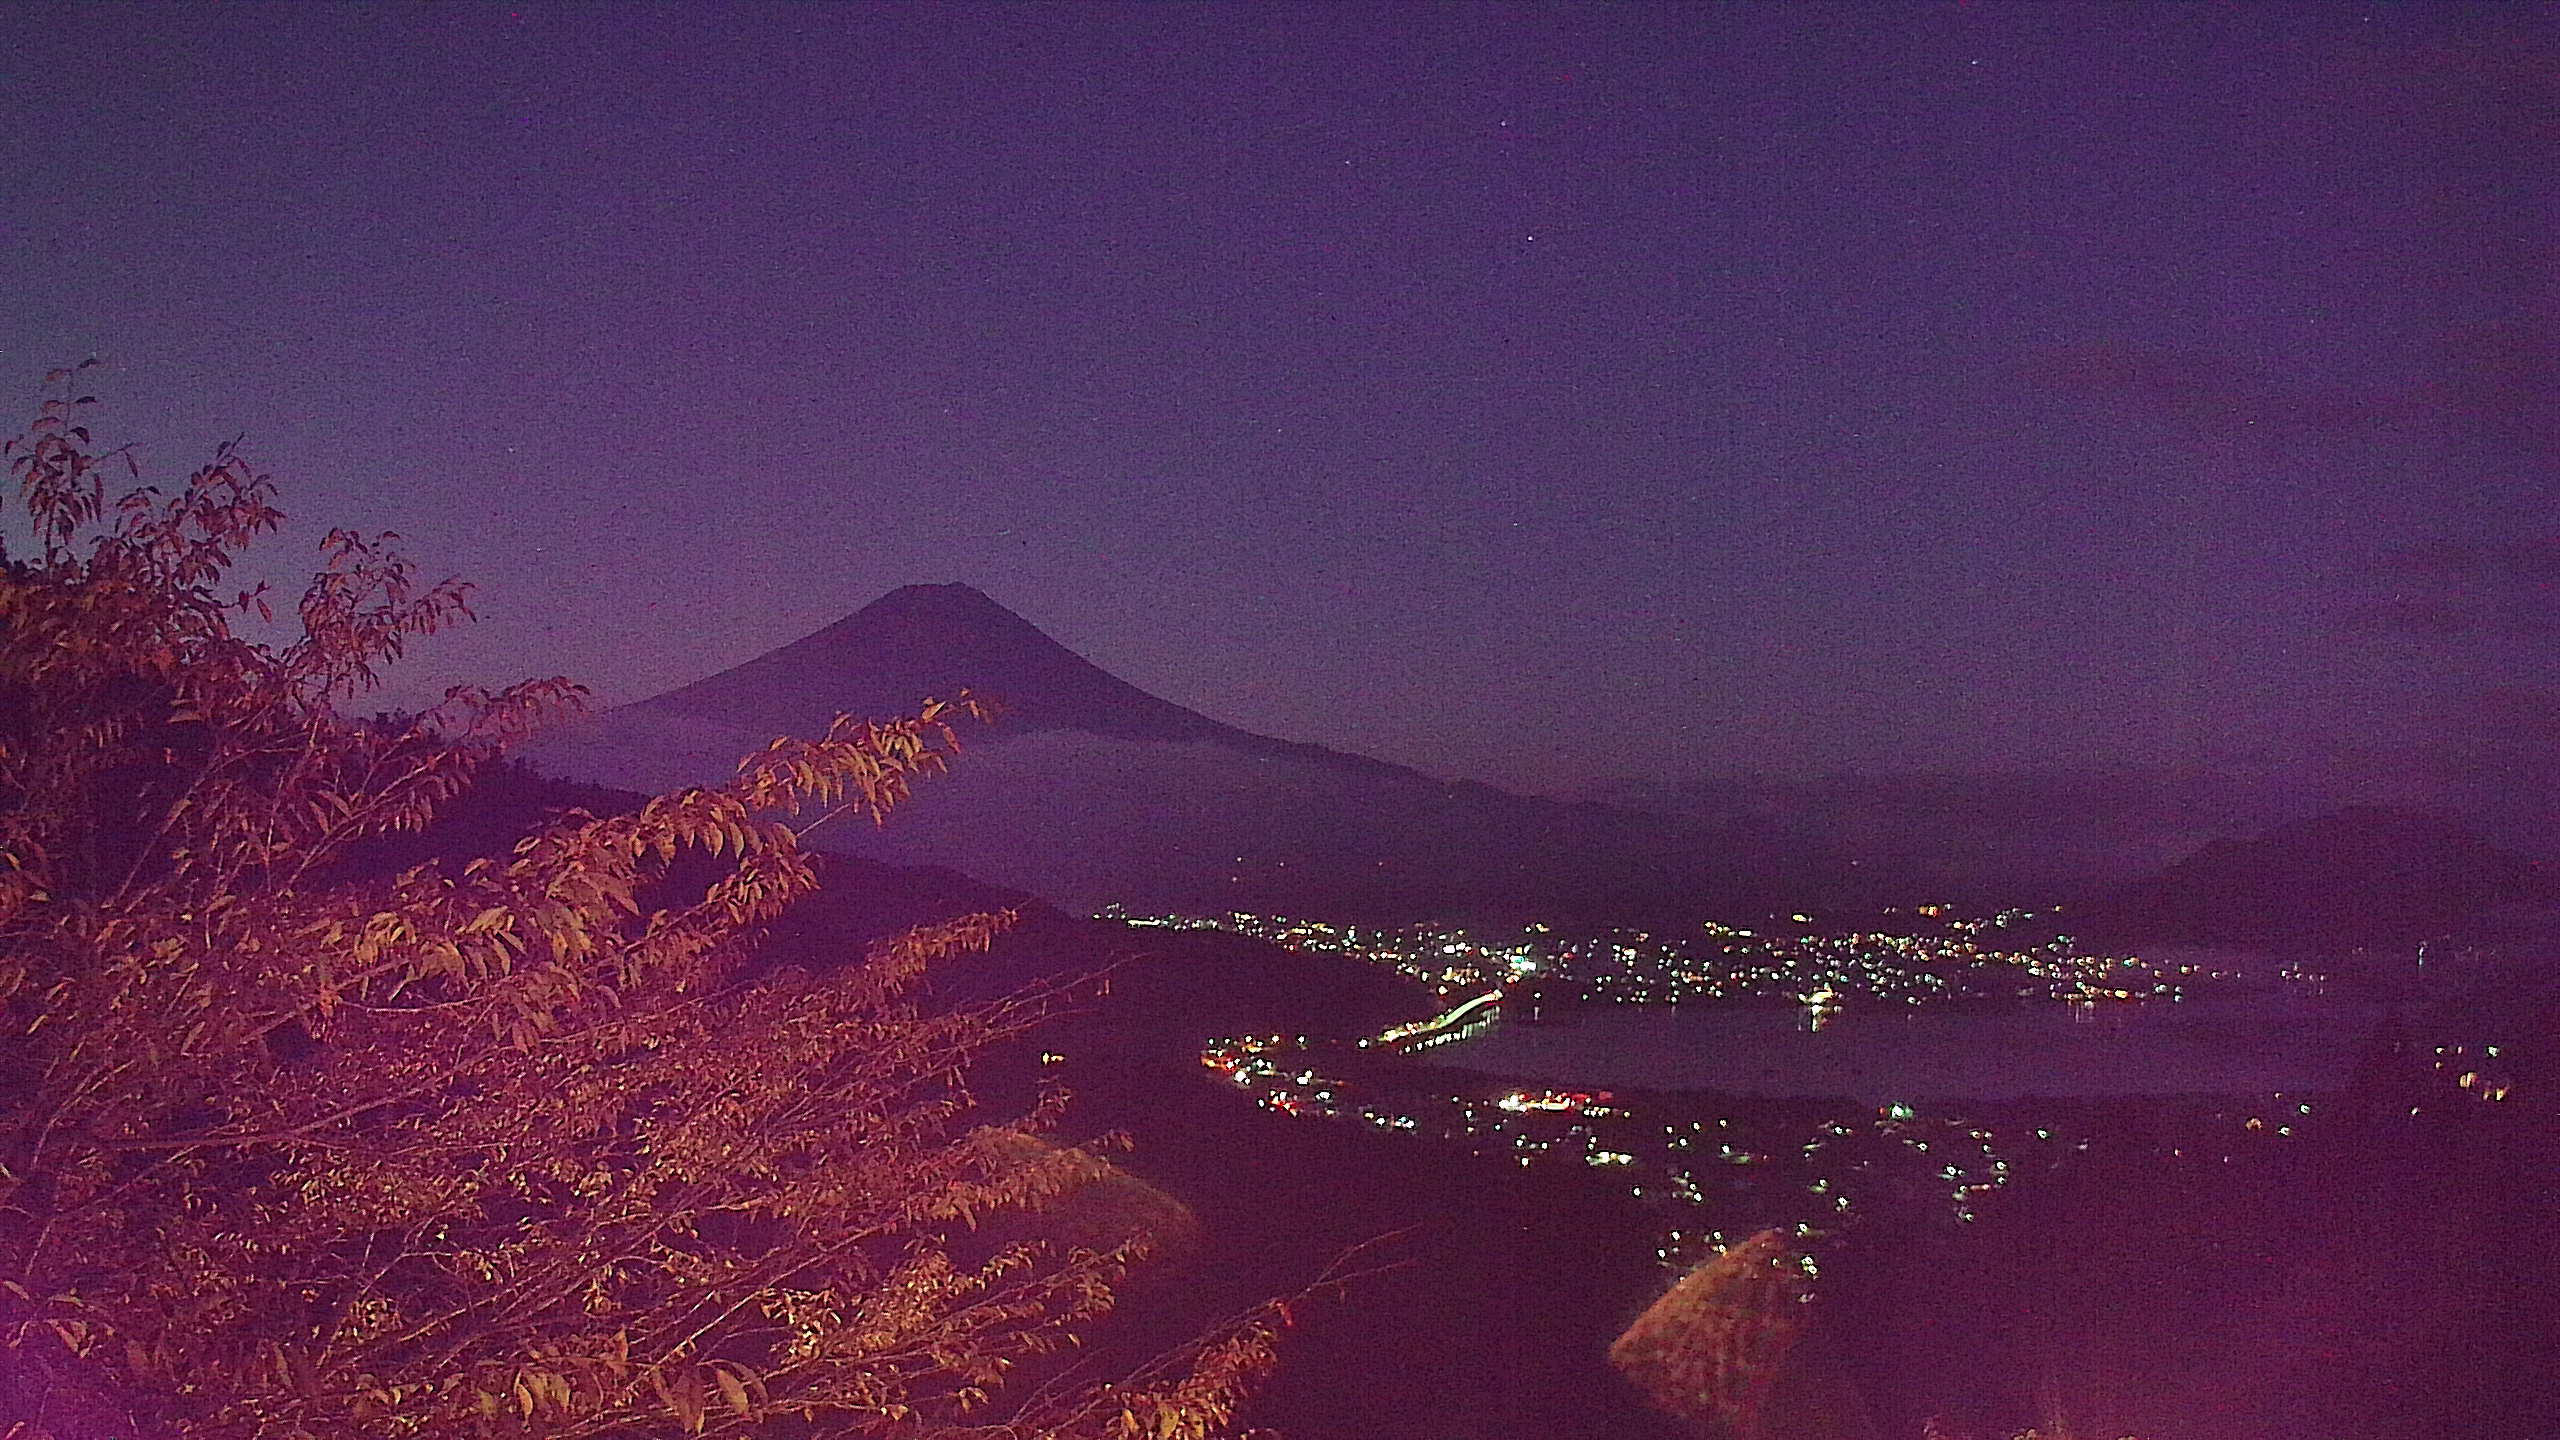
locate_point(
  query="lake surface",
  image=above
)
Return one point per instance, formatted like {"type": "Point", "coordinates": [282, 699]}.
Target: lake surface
{"type": "Point", "coordinates": [2216, 1047]}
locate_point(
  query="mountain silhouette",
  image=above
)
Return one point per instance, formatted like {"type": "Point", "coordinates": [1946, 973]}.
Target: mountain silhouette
{"type": "Point", "coordinates": [1088, 790]}
{"type": "Point", "coordinates": [923, 642]}
{"type": "Point", "coordinates": [2364, 874]}
{"type": "Point", "coordinates": [934, 640]}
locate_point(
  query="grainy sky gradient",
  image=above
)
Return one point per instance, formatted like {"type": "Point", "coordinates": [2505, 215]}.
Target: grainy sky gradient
{"type": "Point", "coordinates": [1526, 393]}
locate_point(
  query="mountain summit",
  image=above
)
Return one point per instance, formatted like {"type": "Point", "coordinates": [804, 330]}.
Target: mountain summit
{"type": "Point", "coordinates": [923, 642]}
{"type": "Point", "coordinates": [934, 640]}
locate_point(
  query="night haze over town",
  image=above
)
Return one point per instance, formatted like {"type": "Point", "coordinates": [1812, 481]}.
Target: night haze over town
{"type": "Point", "coordinates": [1758, 721]}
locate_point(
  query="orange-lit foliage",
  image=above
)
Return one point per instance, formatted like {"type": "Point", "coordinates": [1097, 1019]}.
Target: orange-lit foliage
{"type": "Point", "coordinates": [518, 1148]}
{"type": "Point", "coordinates": [1725, 1350]}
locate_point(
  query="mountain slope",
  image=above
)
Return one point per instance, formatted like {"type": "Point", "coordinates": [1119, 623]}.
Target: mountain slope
{"type": "Point", "coordinates": [2361, 875]}
{"type": "Point", "coordinates": [927, 640]}
{"type": "Point", "coordinates": [1992, 838]}
{"type": "Point", "coordinates": [924, 641]}
{"type": "Point", "coordinates": [1089, 790]}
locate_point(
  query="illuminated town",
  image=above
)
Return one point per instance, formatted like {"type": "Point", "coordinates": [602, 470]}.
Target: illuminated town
{"type": "Point", "coordinates": [1933, 955]}
{"type": "Point", "coordinates": [1716, 1169]}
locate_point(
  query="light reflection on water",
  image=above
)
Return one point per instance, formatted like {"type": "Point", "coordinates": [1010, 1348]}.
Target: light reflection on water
{"type": "Point", "coordinates": [1871, 1053]}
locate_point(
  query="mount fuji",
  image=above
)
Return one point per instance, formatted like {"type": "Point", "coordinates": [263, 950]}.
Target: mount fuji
{"type": "Point", "coordinates": [1088, 790]}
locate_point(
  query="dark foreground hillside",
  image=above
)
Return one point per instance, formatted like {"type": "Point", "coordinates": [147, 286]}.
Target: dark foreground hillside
{"type": "Point", "coordinates": [2374, 1279]}
{"type": "Point", "coordinates": [2378, 1280]}
{"type": "Point", "coordinates": [1494, 1292]}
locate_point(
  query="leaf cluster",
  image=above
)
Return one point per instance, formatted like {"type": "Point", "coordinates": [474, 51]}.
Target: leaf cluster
{"type": "Point", "coordinates": [520, 1146]}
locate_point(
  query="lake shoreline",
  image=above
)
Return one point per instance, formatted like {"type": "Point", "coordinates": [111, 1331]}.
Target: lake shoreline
{"type": "Point", "coordinates": [2224, 1047]}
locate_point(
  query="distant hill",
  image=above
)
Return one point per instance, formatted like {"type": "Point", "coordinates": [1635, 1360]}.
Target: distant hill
{"type": "Point", "coordinates": [1158, 991]}
{"type": "Point", "coordinates": [1089, 790]}
{"type": "Point", "coordinates": [1995, 838]}
{"type": "Point", "coordinates": [2362, 875]}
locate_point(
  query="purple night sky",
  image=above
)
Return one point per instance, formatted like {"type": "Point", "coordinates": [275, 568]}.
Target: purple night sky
{"type": "Point", "coordinates": [1533, 394]}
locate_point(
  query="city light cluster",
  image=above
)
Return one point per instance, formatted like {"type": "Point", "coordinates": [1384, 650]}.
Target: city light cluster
{"type": "Point", "coordinates": [1932, 955]}
{"type": "Point", "coordinates": [1765, 1164]}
